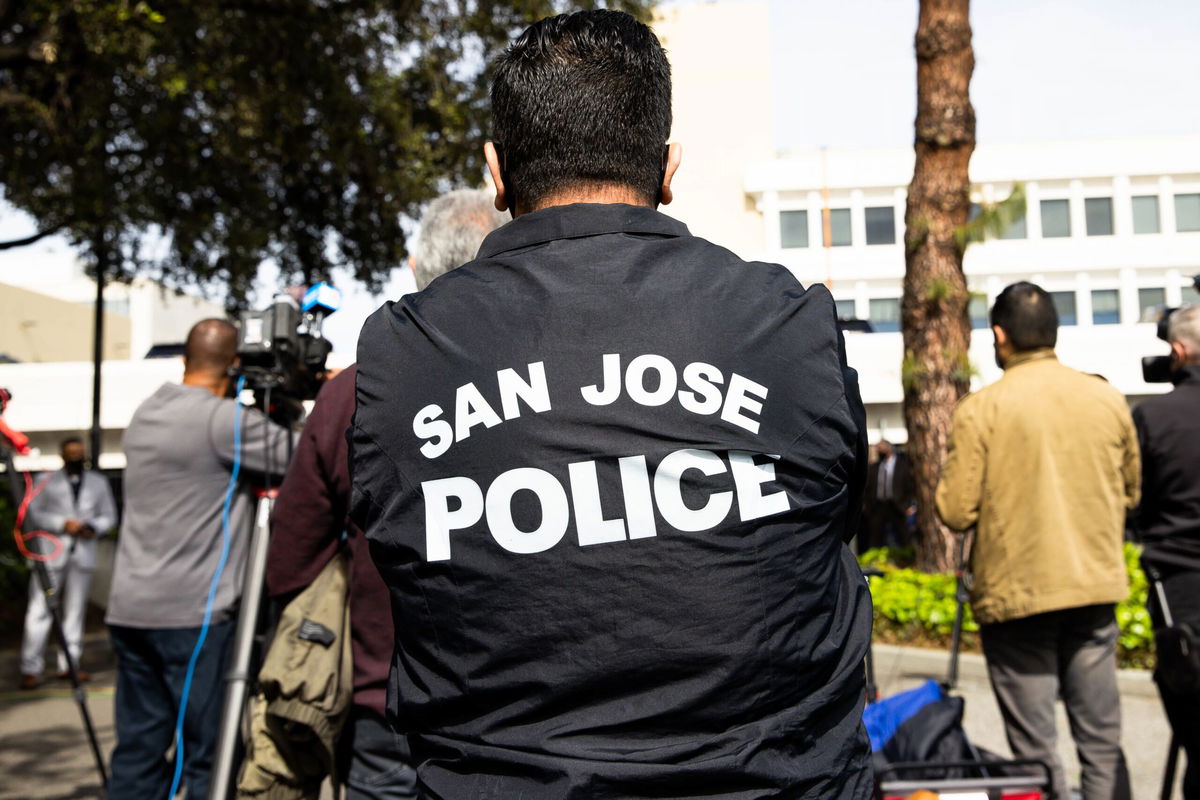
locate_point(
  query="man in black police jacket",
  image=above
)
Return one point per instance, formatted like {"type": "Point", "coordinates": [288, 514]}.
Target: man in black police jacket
{"type": "Point", "coordinates": [607, 470]}
{"type": "Point", "coordinates": [1168, 429]}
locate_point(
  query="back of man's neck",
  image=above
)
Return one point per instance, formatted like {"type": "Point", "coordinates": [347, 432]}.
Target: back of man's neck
{"type": "Point", "coordinates": [204, 381]}
{"type": "Point", "coordinates": [601, 194]}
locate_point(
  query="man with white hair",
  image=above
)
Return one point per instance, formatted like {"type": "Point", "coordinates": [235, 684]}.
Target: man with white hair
{"type": "Point", "coordinates": [310, 516]}
{"type": "Point", "coordinates": [1169, 517]}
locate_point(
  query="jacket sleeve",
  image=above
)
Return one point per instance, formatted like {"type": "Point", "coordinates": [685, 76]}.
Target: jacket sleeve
{"type": "Point", "coordinates": [44, 512]}
{"type": "Point", "coordinates": [310, 512]}
{"type": "Point", "coordinates": [106, 516]}
{"type": "Point", "coordinates": [265, 446]}
{"type": "Point", "coordinates": [960, 490]}
{"type": "Point", "coordinates": [1131, 466]}
{"type": "Point", "coordinates": [858, 483]}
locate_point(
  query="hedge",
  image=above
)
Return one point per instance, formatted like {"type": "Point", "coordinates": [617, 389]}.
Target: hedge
{"type": "Point", "coordinates": [913, 607]}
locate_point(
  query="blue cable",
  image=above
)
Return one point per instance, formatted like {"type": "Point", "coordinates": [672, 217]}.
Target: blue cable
{"type": "Point", "coordinates": [226, 538]}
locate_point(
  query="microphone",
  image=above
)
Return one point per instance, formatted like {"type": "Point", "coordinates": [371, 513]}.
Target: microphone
{"type": "Point", "coordinates": [319, 302]}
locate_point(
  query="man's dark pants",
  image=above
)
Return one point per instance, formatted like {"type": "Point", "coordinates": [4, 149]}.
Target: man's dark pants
{"type": "Point", "coordinates": [1183, 598]}
{"type": "Point", "coordinates": [375, 759]}
{"type": "Point", "coordinates": [1035, 660]}
{"type": "Point", "coordinates": [151, 666]}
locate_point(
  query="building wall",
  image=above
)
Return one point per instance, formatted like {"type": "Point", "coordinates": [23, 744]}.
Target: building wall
{"type": "Point", "coordinates": [36, 327]}
{"type": "Point", "coordinates": [722, 99]}
{"type": "Point", "coordinates": [1107, 275]}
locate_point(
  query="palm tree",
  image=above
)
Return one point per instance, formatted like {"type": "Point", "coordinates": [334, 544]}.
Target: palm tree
{"type": "Point", "coordinates": [936, 329]}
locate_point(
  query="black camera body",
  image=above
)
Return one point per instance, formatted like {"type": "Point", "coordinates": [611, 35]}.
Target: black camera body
{"type": "Point", "coordinates": [1157, 369]}
{"type": "Point", "coordinates": [282, 347]}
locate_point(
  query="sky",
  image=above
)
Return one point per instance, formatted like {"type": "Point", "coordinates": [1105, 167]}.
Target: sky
{"type": "Point", "coordinates": [845, 76]}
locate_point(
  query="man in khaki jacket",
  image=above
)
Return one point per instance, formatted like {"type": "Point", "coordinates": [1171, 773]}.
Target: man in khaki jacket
{"type": "Point", "coordinates": [1044, 465]}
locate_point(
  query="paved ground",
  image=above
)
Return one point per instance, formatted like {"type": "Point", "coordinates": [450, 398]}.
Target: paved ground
{"type": "Point", "coordinates": [1144, 735]}
{"type": "Point", "coordinates": [44, 754]}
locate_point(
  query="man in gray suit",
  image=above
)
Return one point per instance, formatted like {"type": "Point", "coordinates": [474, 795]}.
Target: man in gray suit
{"type": "Point", "coordinates": [74, 505]}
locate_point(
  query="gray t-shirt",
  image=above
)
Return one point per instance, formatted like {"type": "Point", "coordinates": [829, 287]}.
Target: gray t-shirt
{"type": "Point", "coordinates": [179, 451]}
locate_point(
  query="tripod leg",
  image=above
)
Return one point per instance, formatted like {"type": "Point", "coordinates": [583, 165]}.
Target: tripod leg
{"type": "Point", "coordinates": [242, 671]}
{"type": "Point", "coordinates": [53, 602]}
{"type": "Point", "coordinates": [1172, 764]}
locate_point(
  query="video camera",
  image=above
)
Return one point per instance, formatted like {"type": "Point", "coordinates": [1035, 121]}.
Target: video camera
{"type": "Point", "coordinates": [282, 347]}
{"type": "Point", "coordinates": [1157, 369]}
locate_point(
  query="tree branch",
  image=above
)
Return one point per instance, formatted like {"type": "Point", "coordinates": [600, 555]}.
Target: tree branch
{"type": "Point", "coordinates": [9, 98]}
{"type": "Point", "coordinates": [31, 239]}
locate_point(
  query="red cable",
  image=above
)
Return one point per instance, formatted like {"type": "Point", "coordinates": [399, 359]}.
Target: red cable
{"type": "Point", "coordinates": [22, 538]}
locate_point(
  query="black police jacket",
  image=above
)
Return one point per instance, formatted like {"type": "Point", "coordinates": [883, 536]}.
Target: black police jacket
{"type": "Point", "coordinates": [606, 471]}
{"type": "Point", "coordinates": [1168, 429]}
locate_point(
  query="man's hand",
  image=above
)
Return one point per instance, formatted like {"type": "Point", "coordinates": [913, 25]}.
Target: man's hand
{"type": "Point", "coordinates": [87, 532]}
{"type": "Point", "coordinates": [72, 527]}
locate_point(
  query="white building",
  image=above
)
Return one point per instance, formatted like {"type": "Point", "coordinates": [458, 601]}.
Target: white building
{"type": "Point", "coordinates": [48, 326]}
{"type": "Point", "coordinates": [1112, 231]}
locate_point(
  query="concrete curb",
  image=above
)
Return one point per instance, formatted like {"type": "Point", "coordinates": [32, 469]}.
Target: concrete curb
{"type": "Point", "coordinates": [920, 662]}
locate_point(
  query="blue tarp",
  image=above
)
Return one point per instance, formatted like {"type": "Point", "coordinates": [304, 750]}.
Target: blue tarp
{"type": "Point", "coordinates": [883, 718]}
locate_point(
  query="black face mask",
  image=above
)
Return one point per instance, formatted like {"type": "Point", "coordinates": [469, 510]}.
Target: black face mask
{"type": "Point", "coordinates": [75, 466]}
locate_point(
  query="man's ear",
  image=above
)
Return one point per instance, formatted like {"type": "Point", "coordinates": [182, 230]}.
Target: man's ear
{"type": "Point", "coordinates": [1001, 335]}
{"type": "Point", "coordinates": [492, 156]}
{"type": "Point", "coordinates": [1179, 356]}
{"type": "Point", "coordinates": [673, 157]}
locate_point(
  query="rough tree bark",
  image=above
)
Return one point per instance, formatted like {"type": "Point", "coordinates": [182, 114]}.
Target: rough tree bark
{"type": "Point", "coordinates": [936, 329]}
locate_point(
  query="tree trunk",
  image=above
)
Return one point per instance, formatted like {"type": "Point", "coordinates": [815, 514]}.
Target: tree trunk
{"type": "Point", "coordinates": [936, 329]}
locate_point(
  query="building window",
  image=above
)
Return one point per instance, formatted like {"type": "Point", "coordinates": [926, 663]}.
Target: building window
{"type": "Point", "coordinates": [1106, 307]}
{"type": "Point", "coordinates": [1098, 213]}
{"type": "Point", "coordinates": [1145, 214]}
{"type": "Point", "coordinates": [1016, 230]}
{"type": "Point", "coordinates": [1064, 304]}
{"type": "Point", "coordinates": [885, 314]}
{"type": "Point", "coordinates": [881, 225]}
{"type": "Point", "coordinates": [1190, 295]}
{"type": "Point", "coordinates": [1056, 219]}
{"type": "Point", "coordinates": [1149, 302]}
{"type": "Point", "coordinates": [793, 228]}
{"type": "Point", "coordinates": [845, 309]}
{"type": "Point", "coordinates": [1187, 212]}
{"type": "Point", "coordinates": [977, 310]}
{"type": "Point", "coordinates": [839, 227]}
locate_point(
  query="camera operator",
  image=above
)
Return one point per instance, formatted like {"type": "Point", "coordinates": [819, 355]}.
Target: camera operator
{"type": "Point", "coordinates": [607, 470]}
{"type": "Point", "coordinates": [179, 449]}
{"type": "Point", "coordinates": [1169, 516]}
{"type": "Point", "coordinates": [310, 516]}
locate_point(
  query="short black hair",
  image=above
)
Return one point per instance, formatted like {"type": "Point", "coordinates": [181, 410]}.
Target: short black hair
{"type": "Point", "coordinates": [582, 100]}
{"type": "Point", "coordinates": [1026, 313]}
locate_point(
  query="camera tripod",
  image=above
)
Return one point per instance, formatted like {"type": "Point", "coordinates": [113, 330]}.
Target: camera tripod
{"type": "Point", "coordinates": [249, 631]}
{"type": "Point", "coordinates": [54, 604]}
{"type": "Point", "coordinates": [240, 673]}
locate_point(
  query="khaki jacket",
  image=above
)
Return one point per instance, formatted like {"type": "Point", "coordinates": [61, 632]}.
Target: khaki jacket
{"type": "Point", "coordinates": [1044, 464]}
{"type": "Point", "coordinates": [304, 693]}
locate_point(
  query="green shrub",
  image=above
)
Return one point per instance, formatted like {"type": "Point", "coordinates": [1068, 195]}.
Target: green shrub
{"type": "Point", "coordinates": [913, 607]}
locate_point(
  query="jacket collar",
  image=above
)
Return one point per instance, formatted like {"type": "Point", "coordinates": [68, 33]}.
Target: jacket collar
{"type": "Point", "coordinates": [1040, 354]}
{"type": "Point", "coordinates": [576, 221]}
{"type": "Point", "coordinates": [1189, 375]}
